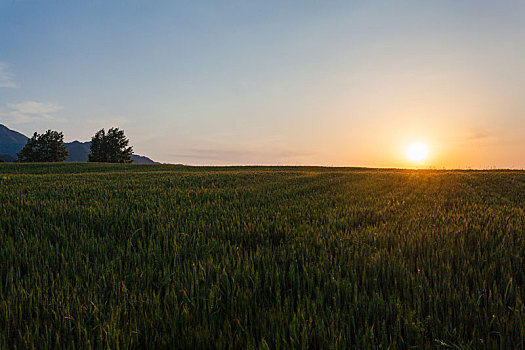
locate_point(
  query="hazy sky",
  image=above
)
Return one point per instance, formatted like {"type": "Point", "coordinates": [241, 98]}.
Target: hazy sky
{"type": "Point", "coordinates": [273, 82]}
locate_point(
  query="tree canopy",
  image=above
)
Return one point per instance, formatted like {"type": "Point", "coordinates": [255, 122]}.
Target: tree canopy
{"type": "Point", "coordinates": [47, 147]}
{"type": "Point", "coordinates": [110, 147]}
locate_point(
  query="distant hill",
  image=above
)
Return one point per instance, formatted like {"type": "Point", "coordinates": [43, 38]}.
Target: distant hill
{"type": "Point", "coordinates": [142, 160]}
{"type": "Point", "coordinates": [79, 151]}
{"type": "Point", "coordinates": [7, 158]}
{"type": "Point", "coordinates": [11, 142]}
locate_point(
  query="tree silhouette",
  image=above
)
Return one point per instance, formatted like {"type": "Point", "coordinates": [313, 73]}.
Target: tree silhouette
{"type": "Point", "coordinates": [47, 147]}
{"type": "Point", "coordinates": [110, 147]}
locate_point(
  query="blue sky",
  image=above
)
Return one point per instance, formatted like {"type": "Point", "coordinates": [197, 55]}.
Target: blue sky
{"type": "Point", "coordinates": [272, 82]}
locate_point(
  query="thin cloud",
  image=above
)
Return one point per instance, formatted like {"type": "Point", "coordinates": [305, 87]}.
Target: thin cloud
{"type": "Point", "coordinates": [32, 107]}
{"type": "Point", "coordinates": [30, 111]}
{"type": "Point", "coordinates": [479, 135]}
{"type": "Point", "coordinates": [6, 78]}
{"type": "Point", "coordinates": [222, 155]}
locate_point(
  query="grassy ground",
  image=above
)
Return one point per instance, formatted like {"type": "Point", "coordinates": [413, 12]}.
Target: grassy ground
{"type": "Point", "coordinates": [127, 256]}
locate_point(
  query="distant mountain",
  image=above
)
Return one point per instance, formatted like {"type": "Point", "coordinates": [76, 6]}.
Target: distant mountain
{"type": "Point", "coordinates": [11, 142]}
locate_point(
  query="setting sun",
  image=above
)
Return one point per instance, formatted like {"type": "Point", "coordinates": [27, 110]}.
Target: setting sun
{"type": "Point", "coordinates": [417, 152]}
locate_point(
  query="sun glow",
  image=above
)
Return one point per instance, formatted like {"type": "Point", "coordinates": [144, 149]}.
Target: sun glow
{"type": "Point", "coordinates": [417, 152]}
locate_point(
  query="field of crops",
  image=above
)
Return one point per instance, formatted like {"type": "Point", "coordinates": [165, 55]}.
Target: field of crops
{"type": "Point", "coordinates": [124, 256]}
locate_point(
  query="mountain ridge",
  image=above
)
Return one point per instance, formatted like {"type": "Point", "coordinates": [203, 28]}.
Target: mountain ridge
{"type": "Point", "coordinates": [12, 141]}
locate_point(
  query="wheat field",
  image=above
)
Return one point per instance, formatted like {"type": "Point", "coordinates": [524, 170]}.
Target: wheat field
{"type": "Point", "coordinates": [129, 256]}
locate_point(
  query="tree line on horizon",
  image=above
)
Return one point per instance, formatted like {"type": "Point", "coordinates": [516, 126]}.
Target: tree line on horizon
{"type": "Point", "coordinates": [106, 147]}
